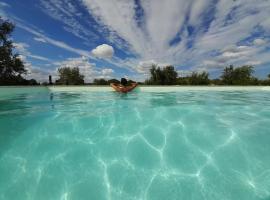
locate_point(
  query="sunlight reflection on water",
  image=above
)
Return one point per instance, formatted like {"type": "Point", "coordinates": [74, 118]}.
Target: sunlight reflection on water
{"type": "Point", "coordinates": [142, 145]}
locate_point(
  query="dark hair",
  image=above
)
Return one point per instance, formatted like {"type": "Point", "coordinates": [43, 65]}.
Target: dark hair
{"type": "Point", "coordinates": [124, 81]}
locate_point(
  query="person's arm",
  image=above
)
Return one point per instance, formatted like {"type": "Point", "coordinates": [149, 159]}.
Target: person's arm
{"type": "Point", "coordinates": [129, 88]}
{"type": "Point", "coordinates": [133, 85]}
{"type": "Point", "coordinates": [123, 89]}
{"type": "Point", "coordinates": [114, 86]}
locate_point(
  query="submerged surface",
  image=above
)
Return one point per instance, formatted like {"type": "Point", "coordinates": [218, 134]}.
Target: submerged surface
{"type": "Point", "coordinates": [189, 144]}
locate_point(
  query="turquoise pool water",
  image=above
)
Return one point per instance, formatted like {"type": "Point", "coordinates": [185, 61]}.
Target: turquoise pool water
{"type": "Point", "coordinates": [186, 143]}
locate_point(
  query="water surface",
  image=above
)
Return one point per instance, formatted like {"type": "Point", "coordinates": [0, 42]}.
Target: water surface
{"type": "Point", "coordinates": [149, 144]}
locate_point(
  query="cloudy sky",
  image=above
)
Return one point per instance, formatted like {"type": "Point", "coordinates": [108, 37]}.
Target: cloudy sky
{"type": "Point", "coordinates": [116, 38]}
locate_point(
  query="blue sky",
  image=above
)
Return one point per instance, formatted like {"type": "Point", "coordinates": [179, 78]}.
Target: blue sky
{"type": "Point", "coordinates": [116, 38]}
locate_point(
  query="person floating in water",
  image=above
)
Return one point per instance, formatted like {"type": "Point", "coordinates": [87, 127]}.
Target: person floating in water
{"type": "Point", "coordinates": [123, 86]}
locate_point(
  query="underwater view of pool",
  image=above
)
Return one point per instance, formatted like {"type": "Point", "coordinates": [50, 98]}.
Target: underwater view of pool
{"type": "Point", "coordinates": [156, 143]}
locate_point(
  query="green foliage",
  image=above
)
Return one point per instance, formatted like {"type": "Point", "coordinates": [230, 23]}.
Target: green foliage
{"type": "Point", "coordinates": [105, 82]}
{"type": "Point", "coordinates": [165, 76]}
{"type": "Point", "coordinates": [11, 66]}
{"type": "Point", "coordinates": [100, 82]}
{"type": "Point", "coordinates": [70, 76]}
{"type": "Point", "coordinates": [227, 75]}
{"type": "Point", "coordinates": [113, 81]}
{"type": "Point", "coordinates": [199, 78]}
{"type": "Point", "coordinates": [195, 78]}
{"type": "Point", "coordinates": [230, 76]}
{"type": "Point", "coordinates": [238, 76]}
{"type": "Point", "coordinates": [32, 82]}
{"type": "Point", "coordinates": [215, 82]}
{"type": "Point", "coordinates": [183, 81]}
{"type": "Point", "coordinates": [130, 82]}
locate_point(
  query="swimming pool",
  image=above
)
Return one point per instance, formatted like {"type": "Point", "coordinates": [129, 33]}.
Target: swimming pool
{"type": "Point", "coordinates": [154, 143]}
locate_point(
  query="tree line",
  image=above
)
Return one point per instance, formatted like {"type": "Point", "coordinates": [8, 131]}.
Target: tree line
{"type": "Point", "coordinates": [230, 76]}
{"type": "Point", "coordinates": [168, 76]}
{"type": "Point", "coordinates": [12, 71]}
{"type": "Point", "coordinates": [72, 76]}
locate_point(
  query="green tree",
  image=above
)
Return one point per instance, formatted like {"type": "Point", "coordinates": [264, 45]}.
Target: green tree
{"type": "Point", "coordinates": [243, 75]}
{"type": "Point", "coordinates": [170, 75]}
{"type": "Point", "coordinates": [239, 76]}
{"type": "Point", "coordinates": [183, 81]}
{"type": "Point", "coordinates": [113, 81]}
{"type": "Point", "coordinates": [154, 75]}
{"type": "Point", "coordinates": [267, 81]}
{"type": "Point", "coordinates": [165, 76]}
{"type": "Point", "coordinates": [129, 82]}
{"type": "Point", "coordinates": [227, 75]}
{"type": "Point", "coordinates": [194, 79]}
{"type": "Point", "coordinates": [199, 78]}
{"type": "Point", "coordinates": [216, 81]}
{"type": "Point", "coordinates": [100, 81]}
{"type": "Point", "coordinates": [32, 82]}
{"type": "Point", "coordinates": [70, 76]}
{"type": "Point", "coordinates": [11, 66]}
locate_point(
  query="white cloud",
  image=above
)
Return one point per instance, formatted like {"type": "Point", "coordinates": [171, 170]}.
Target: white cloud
{"type": "Point", "coordinates": [259, 41]}
{"type": "Point", "coordinates": [237, 55]}
{"type": "Point", "coordinates": [33, 72]}
{"type": "Point", "coordinates": [197, 9]}
{"type": "Point", "coordinates": [25, 53]}
{"type": "Point", "coordinates": [164, 20]}
{"type": "Point", "coordinates": [39, 58]}
{"type": "Point", "coordinates": [53, 42]}
{"type": "Point", "coordinates": [184, 73]}
{"type": "Point", "coordinates": [144, 66]}
{"type": "Point", "coordinates": [38, 39]}
{"type": "Point", "coordinates": [86, 68]}
{"type": "Point", "coordinates": [253, 63]}
{"type": "Point", "coordinates": [107, 72]}
{"type": "Point", "coordinates": [67, 12]}
{"type": "Point", "coordinates": [103, 51]}
{"type": "Point", "coordinates": [208, 64]}
{"type": "Point", "coordinates": [236, 52]}
{"type": "Point", "coordinates": [38, 73]}
{"type": "Point", "coordinates": [217, 27]}
{"type": "Point", "coordinates": [21, 47]}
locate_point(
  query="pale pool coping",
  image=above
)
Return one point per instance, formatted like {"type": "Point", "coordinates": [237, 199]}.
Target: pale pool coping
{"type": "Point", "coordinates": [160, 88]}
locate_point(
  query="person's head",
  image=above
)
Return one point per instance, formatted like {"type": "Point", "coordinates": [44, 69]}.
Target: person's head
{"type": "Point", "coordinates": [124, 81]}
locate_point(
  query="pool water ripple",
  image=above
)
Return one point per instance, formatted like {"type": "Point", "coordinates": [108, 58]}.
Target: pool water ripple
{"type": "Point", "coordinates": [143, 145]}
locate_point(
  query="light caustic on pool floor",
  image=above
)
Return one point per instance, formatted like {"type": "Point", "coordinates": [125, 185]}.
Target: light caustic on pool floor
{"type": "Point", "coordinates": [140, 152]}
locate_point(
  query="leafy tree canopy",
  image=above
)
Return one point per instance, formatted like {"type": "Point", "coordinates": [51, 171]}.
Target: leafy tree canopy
{"type": "Point", "coordinates": [100, 82]}
{"type": "Point", "coordinates": [199, 78]}
{"type": "Point", "coordinates": [11, 66]}
{"type": "Point", "coordinates": [165, 76]}
{"type": "Point", "coordinates": [238, 76]}
{"type": "Point", "coordinates": [70, 76]}
{"type": "Point", "coordinates": [195, 78]}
